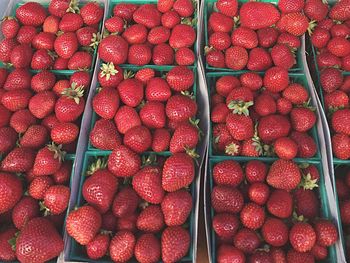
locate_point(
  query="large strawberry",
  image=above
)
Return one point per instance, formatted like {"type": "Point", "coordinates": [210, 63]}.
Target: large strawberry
{"type": "Point", "coordinates": [126, 118]}
{"type": "Point", "coordinates": [70, 105]}
{"type": "Point", "coordinates": [284, 174]}
{"type": "Point", "coordinates": [110, 75]}
{"type": "Point", "coordinates": [104, 135]}
{"type": "Point", "coordinates": [131, 92]}
{"type": "Point", "coordinates": [31, 14]}
{"type": "Point", "coordinates": [272, 127]}
{"type": "Point", "coordinates": [11, 191]}
{"type": "Point", "coordinates": [122, 246]}
{"type": "Point", "coordinates": [227, 253]}
{"type": "Point", "coordinates": [182, 36]}
{"type": "Point", "coordinates": [66, 45]}
{"type": "Point", "coordinates": [180, 108]}
{"type": "Point", "coordinates": [38, 241]}
{"type": "Point", "coordinates": [176, 207]}
{"type": "Point", "coordinates": [83, 224]}
{"type": "Point", "coordinates": [175, 243]}
{"type": "Point", "coordinates": [123, 162]}
{"type": "Point", "coordinates": [147, 248]}
{"type": "Point", "coordinates": [180, 78]}
{"type": "Point", "coordinates": [64, 133]}
{"type": "Point", "coordinates": [48, 160]}
{"type": "Point", "coordinates": [280, 204]}
{"type": "Point", "coordinates": [302, 237]}
{"type": "Point", "coordinates": [18, 160]}
{"type": "Point", "coordinates": [151, 219]}
{"type": "Point", "coordinates": [92, 13]}
{"type": "Point", "coordinates": [147, 15]}
{"type": "Point", "coordinates": [113, 49]}
{"type": "Point", "coordinates": [185, 137]}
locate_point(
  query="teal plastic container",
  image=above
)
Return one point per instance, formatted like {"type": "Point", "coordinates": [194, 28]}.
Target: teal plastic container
{"type": "Point", "coordinates": [325, 210]}
{"type": "Point", "coordinates": [209, 8]}
{"type": "Point", "coordinates": [159, 73]}
{"type": "Point", "coordinates": [67, 71]}
{"type": "Point", "coordinates": [294, 77]}
{"type": "Point", "coordinates": [141, 2]}
{"type": "Point", "coordinates": [78, 253]}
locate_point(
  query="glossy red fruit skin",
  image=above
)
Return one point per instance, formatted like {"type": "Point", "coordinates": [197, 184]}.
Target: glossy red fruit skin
{"type": "Point", "coordinates": [246, 240]}
{"type": "Point", "coordinates": [326, 232]}
{"type": "Point", "coordinates": [275, 232]}
{"type": "Point", "coordinates": [125, 202]}
{"type": "Point", "coordinates": [280, 204]}
{"type": "Point", "coordinates": [6, 252]}
{"type": "Point", "coordinates": [225, 225]}
{"type": "Point", "coordinates": [31, 14]}
{"type": "Point", "coordinates": [122, 246]}
{"type": "Point", "coordinates": [147, 248]}
{"type": "Point", "coordinates": [11, 191]}
{"type": "Point", "coordinates": [306, 203]}
{"type": "Point", "coordinates": [253, 15]}
{"type": "Point", "coordinates": [98, 247]}
{"type": "Point", "coordinates": [228, 253]}
{"type": "Point", "coordinates": [258, 193]}
{"type": "Point", "coordinates": [228, 173]}
{"type": "Point", "coordinates": [26, 209]}
{"type": "Point", "coordinates": [39, 185]}
{"type": "Point", "coordinates": [138, 139]}
{"type": "Point", "coordinates": [151, 219]}
{"type": "Point", "coordinates": [302, 237]}
{"type": "Point", "coordinates": [123, 162]}
{"type": "Point", "coordinates": [113, 49]}
{"type": "Point", "coordinates": [175, 242]}
{"type": "Point", "coordinates": [232, 201]}
{"type": "Point", "coordinates": [56, 199]}
{"type": "Point", "coordinates": [125, 10]}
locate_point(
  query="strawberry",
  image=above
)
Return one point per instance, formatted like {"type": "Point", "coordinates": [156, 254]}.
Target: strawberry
{"type": "Point", "coordinates": [285, 148]}
{"type": "Point", "coordinates": [18, 160]}
{"type": "Point", "coordinates": [115, 24]}
{"type": "Point", "coordinates": [170, 19]}
{"type": "Point", "coordinates": [228, 253]}
{"type": "Point", "coordinates": [38, 186]}
{"type": "Point", "coordinates": [227, 7]}
{"type": "Point", "coordinates": [21, 120]}
{"type": "Point", "coordinates": [340, 30]}
{"type": "Point", "coordinates": [62, 176]}
{"type": "Point", "coordinates": [319, 252]}
{"type": "Point", "coordinates": [126, 118]}
{"type": "Point", "coordinates": [299, 257]}
{"type": "Point", "coordinates": [60, 63]}
{"type": "Point", "coordinates": [184, 56]}
{"type": "Point", "coordinates": [83, 224]}
{"type": "Point", "coordinates": [104, 135]}
{"type": "Point", "coordinates": [50, 121]}
{"type": "Point", "coordinates": [346, 63]}
{"type": "Point", "coordinates": [44, 40]}
{"type": "Point", "coordinates": [70, 105]}
{"type": "Point", "coordinates": [127, 223]}
{"type": "Point", "coordinates": [71, 22]}
{"type": "Point", "coordinates": [251, 80]}
{"type": "Point", "coordinates": [66, 45]}
{"type": "Point", "coordinates": [244, 37]}
{"type": "Point", "coordinates": [26, 209]}
{"type": "Point", "coordinates": [215, 58]}
{"type": "Point", "coordinates": [288, 39]}
{"type": "Point", "coordinates": [8, 138]}
{"type": "Point", "coordinates": [282, 56]}
{"type": "Point", "coordinates": [131, 92]}
{"type": "Point", "coordinates": [265, 105]}
{"type": "Point", "coordinates": [5, 116]}
{"type": "Point", "coordinates": [252, 216]}
{"type": "Point", "coordinates": [152, 115]}
{"type": "Point", "coordinates": [59, 7]}
{"type": "Point", "coordinates": [257, 15]}
{"type": "Point", "coordinates": [175, 243]}
{"type": "Point", "coordinates": [255, 171]}
{"type": "Point", "coordinates": [48, 160]}
{"type": "Point", "coordinates": [184, 7]}
{"type": "Point", "coordinates": [176, 207]}
{"type": "Point", "coordinates": [31, 14]}
{"type": "Point", "coordinates": [295, 93]}
{"type": "Point", "coordinates": [6, 46]}
{"type": "Point", "coordinates": [288, 6]}
{"type": "Point", "coordinates": [123, 162]}
{"type": "Point", "coordinates": [302, 237]}
{"type": "Point", "coordinates": [144, 75]}
{"type": "Point", "coordinates": [225, 225]}
{"type": "Point", "coordinates": [9, 27]}
{"type": "Point", "coordinates": [106, 103]}
{"type": "Point", "coordinates": [220, 40]}
{"type": "Point", "coordinates": [165, 5]}
{"type": "Point", "coordinates": [226, 199]}
{"type": "Point", "coordinates": [42, 59]}
{"type": "Point", "coordinates": [326, 232]}
{"type": "Point", "coordinates": [327, 59]}
{"type": "Point", "coordinates": [316, 9]}
{"type": "Point", "coordinates": [139, 54]}
{"type": "Point", "coordinates": [92, 13]}
{"type": "Point", "coordinates": [21, 56]}
{"type": "Point", "coordinates": [158, 35]}
{"type": "Point", "coordinates": [44, 80]}
{"type": "Point", "coordinates": [147, 15]}
{"type": "Point", "coordinates": [40, 236]}
{"type": "Point", "coordinates": [80, 60]}
{"type": "Point", "coordinates": [220, 22]}
{"type": "Point", "coordinates": [180, 78]}
{"type": "Point", "coordinates": [122, 246]}
{"type": "Point", "coordinates": [302, 119]}
{"type": "Point", "coordinates": [98, 247]}
{"type": "Point", "coordinates": [276, 79]}
{"type": "Point", "coordinates": [125, 10]}
{"type": "Point", "coordinates": [272, 127]}
{"type": "Point", "coordinates": [26, 34]}
{"type": "Point", "coordinates": [6, 251]}
{"type": "Point", "coordinates": [339, 121]}
{"type": "Point", "coordinates": [246, 240]}
{"type": "Point", "coordinates": [236, 58]}
{"type": "Point", "coordinates": [295, 23]}
{"type": "Point", "coordinates": [228, 173]}
{"type": "Point", "coordinates": [341, 146]}
{"type": "Point", "coordinates": [280, 204]}
{"type": "Point", "coordinates": [185, 137]}
{"type": "Point", "coordinates": [51, 23]}
{"type": "Point", "coordinates": [307, 147]}
{"type": "Point", "coordinates": [225, 84]}
{"type": "Point", "coordinates": [42, 104]}
{"type": "Point", "coordinates": [259, 60]}
{"type": "Point", "coordinates": [219, 113]}
{"type": "Point", "coordinates": [157, 89]}
{"type": "Point", "coordinates": [184, 173]}
{"type": "Point", "coordinates": [182, 36]}
{"type": "Point", "coordinates": [56, 199]}
{"type": "Point", "coordinates": [109, 221]}
{"type": "Point", "coordinates": [267, 36]}
{"type": "Point", "coordinates": [160, 140]}
{"type": "Point", "coordinates": [135, 34]}
{"type": "Point", "coordinates": [331, 79]}
{"type": "Point", "coordinates": [147, 248]}
{"type": "Point", "coordinates": [216, 99]}
{"type": "Point", "coordinates": [240, 126]}
{"type": "Point", "coordinates": [163, 54]}
{"type": "Point", "coordinates": [81, 78]}
{"type": "Point", "coordinates": [345, 212]}
{"type": "Point", "coordinates": [180, 108]}
{"type": "Point", "coordinates": [60, 86]}
{"type": "Point", "coordinates": [150, 219]}
{"type": "Point", "coordinates": [15, 100]}
{"type": "Point", "coordinates": [340, 11]}
{"type": "Point", "coordinates": [258, 193]}
{"type": "Point", "coordinates": [339, 46]}
{"type": "Point", "coordinates": [306, 203]}
{"type": "Point", "coordinates": [291, 175]}
{"type": "Point", "coordinates": [138, 139]}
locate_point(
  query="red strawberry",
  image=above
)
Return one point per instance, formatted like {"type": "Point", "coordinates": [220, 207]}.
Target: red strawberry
{"type": "Point", "coordinates": [66, 45]}
{"type": "Point", "coordinates": [40, 236]}
{"type": "Point", "coordinates": [50, 121]}
{"type": "Point", "coordinates": [157, 89]}
{"type": "Point", "coordinates": [259, 60]}
{"type": "Point", "coordinates": [319, 252]}
{"type": "Point", "coordinates": [44, 40]}
{"type": "Point", "coordinates": [227, 7]}
{"type": "Point", "coordinates": [135, 34]}
{"type": "Point", "coordinates": [51, 22]}
{"type": "Point", "coordinates": [183, 174]}
{"type": "Point", "coordinates": [220, 22]}
{"type": "Point", "coordinates": [275, 232]}
{"type": "Point", "coordinates": [327, 59]}
{"type": "Point", "coordinates": [9, 27]}
{"type": "Point", "coordinates": [185, 137]}
{"type": "Point", "coordinates": [26, 209]}
{"type": "Point", "coordinates": [139, 54]}
{"type": "Point", "coordinates": [62, 176]}
{"type": "Point", "coordinates": [302, 237]}
{"type": "Point", "coordinates": [339, 121]}
{"type": "Point", "coordinates": [147, 248]}
{"type": "Point", "coordinates": [64, 133]}
{"type": "Point", "coordinates": [236, 58]}
{"type": "Point", "coordinates": [147, 15]}
{"type": "Point", "coordinates": [184, 56]}
{"type": "Point", "coordinates": [144, 75]}
{"type": "Point", "coordinates": [61, 63]}
{"type": "Point", "coordinates": [106, 103]}
{"type": "Point", "coordinates": [126, 118]}
{"type": "Point", "coordinates": [220, 40]}
{"type": "Point", "coordinates": [8, 138]}
{"type": "Point", "coordinates": [122, 246]}
{"type": "Point", "coordinates": [289, 40]}
{"type": "Point", "coordinates": [331, 79]}
{"type": "Point", "coordinates": [176, 207]}
{"type": "Point", "coordinates": [163, 54]}
{"type": "Point", "coordinates": [6, 46]}
{"type": "Point", "coordinates": [92, 13]}
{"type": "Point", "coordinates": [182, 36]}
{"type": "Point", "coordinates": [228, 173]}
{"type": "Point", "coordinates": [98, 247]}
{"type": "Point", "coordinates": [252, 216]}
{"type": "Point", "coordinates": [180, 78]}
{"type": "Point", "coordinates": [180, 108]}
{"type": "Point", "coordinates": [152, 115]}
{"type": "Point", "coordinates": [272, 127]}
{"type": "Point", "coordinates": [131, 92]}
{"type": "Point", "coordinates": [60, 86]}
{"type": "Point", "coordinates": [296, 93]}
{"type": "Point", "coordinates": [282, 56]}
{"type": "Point", "coordinates": [340, 30]}
{"type": "Point", "coordinates": [15, 100]}
{"type": "Point", "coordinates": [184, 7]}
{"type": "Point", "coordinates": [251, 80]}
{"type": "Point", "coordinates": [71, 22]}
{"type": "Point", "coordinates": [80, 60]}
{"type": "Point", "coordinates": [256, 15]}
{"type": "Point", "coordinates": [265, 105]}
{"type": "Point", "coordinates": [240, 126]}
{"type": "Point", "coordinates": [114, 24]}
{"type": "Point", "coordinates": [280, 204]}
{"type": "Point", "coordinates": [341, 146]}
{"type": "Point", "coordinates": [244, 37]}
{"type": "Point", "coordinates": [288, 6]}
{"type": "Point", "coordinates": [44, 80]}
{"type": "Point", "coordinates": [285, 148]}
{"type": "Point", "coordinates": [170, 19]}
{"type": "Point", "coordinates": [219, 113]}
{"type": "Point", "coordinates": [21, 120]}
{"type": "Point", "coordinates": [18, 160]}
{"type": "Point", "coordinates": [110, 76]}
{"type": "Point", "coordinates": [70, 105]}
{"type": "Point", "coordinates": [83, 224]}
{"type": "Point", "coordinates": [345, 212]}
{"type": "Point", "coordinates": [165, 5]}
{"type": "Point", "coordinates": [48, 160]}
{"type": "Point", "coordinates": [225, 225]}
{"type": "Point", "coordinates": [255, 171]}
{"type": "Point", "coordinates": [306, 203]}
{"type": "Point", "coordinates": [306, 145]}
{"type": "Point", "coordinates": [127, 223]}
{"type": "Point", "coordinates": [175, 243]}
{"type": "Point", "coordinates": [340, 11]}
{"type": "Point", "coordinates": [299, 257]}
{"type": "Point", "coordinates": [6, 251]}
{"type": "Point", "coordinates": [316, 9]}
{"type": "Point", "coordinates": [125, 10]}
{"type": "Point", "coordinates": [56, 199]}
{"type": "Point", "coordinates": [31, 14]}
{"type": "Point", "coordinates": [228, 253]}
{"type": "Point", "coordinates": [291, 175]}
{"type": "Point", "coordinates": [42, 104]}
{"type": "Point", "coordinates": [326, 232]}
{"type": "Point", "coordinates": [276, 79]}
{"type": "Point", "coordinates": [267, 36]}
{"type": "Point", "coordinates": [258, 193]}
{"type": "Point", "coordinates": [302, 119]}
{"type": "Point", "coordinates": [21, 56]}
{"type": "Point", "coordinates": [150, 219]}
{"type": "Point", "coordinates": [5, 116]}
{"type": "Point", "coordinates": [246, 240]}
{"type": "Point", "coordinates": [339, 46]}
{"type": "Point", "coordinates": [160, 140]}
{"type": "Point", "coordinates": [158, 35]}
{"type": "Point", "coordinates": [39, 186]}
{"type": "Point", "coordinates": [123, 162]}
{"type": "Point", "coordinates": [215, 58]}
{"type": "Point", "coordinates": [226, 199]}
{"type": "Point", "coordinates": [104, 135]}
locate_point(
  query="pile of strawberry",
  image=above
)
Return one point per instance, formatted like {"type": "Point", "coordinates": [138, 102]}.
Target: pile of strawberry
{"type": "Point", "coordinates": [269, 214]}
{"type": "Point", "coordinates": [343, 190]}
{"type": "Point", "coordinates": [255, 115]}
{"type": "Point", "coordinates": [134, 209]}
{"type": "Point", "coordinates": [144, 111]}
{"type": "Point", "coordinates": [160, 34]}
{"type": "Point", "coordinates": [62, 37]}
{"type": "Point", "coordinates": [258, 35]}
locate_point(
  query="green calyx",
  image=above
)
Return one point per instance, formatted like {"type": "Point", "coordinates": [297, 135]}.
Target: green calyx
{"type": "Point", "coordinates": [188, 94]}
{"type": "Point", "coordinates": [13, 241]}
{"type": "Point", "coordinates": [73, 7]}
{"type": "Point", "coordinates": [128, 74]}
{"type": "Point", "coordinates": [8, 18]}
{"type": "Point", "coordinates": [312, 25]}
{"type": "Point", "coordinates": [192, 153]}
{"type": "Point", "coordinates": [108, 70]}
{"type": "Point", "coordinates": [52, 54]}
{"type": "Point", "coordinates": [74, 92]}
{"type": "Point", "coordinates": [232, 149]}
{"type": "Point", "coordinates": [100, 163]}
{"type": "Point", "coordinates": [195, 123]}
{"type": "Point", "coordinates": [149, 160]}
{"type": "Point", "coordinates": [189, 21]}
{"type": "Point", "coordinates": [95, 40]}
{"type": "Point", "coordinates": [57, 150]}
{"type": "Point", "coordinates": [44, 209]}
{"type": "Point", "coordinates": [307, 183]}
{"type": "Point", "coordinates": [240, 107]}
{"type": "Point", "coordinates": [297, 218]}
{"type": "Point", "coordinates": [207, 49]}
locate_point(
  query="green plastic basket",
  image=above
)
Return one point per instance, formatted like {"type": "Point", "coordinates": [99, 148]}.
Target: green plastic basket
{"type": "Point", "coordinates": [77, 252]}
{"type": "Point", "coordinates": [67, 71]}
{"type": "Point", "coordinates": [294, 77]}
{"type": "Point", "coordinates": [325, 210]}
{"type": "Point", "coordinates": [208, 9]}
{"type": "Point", "coordinates": [156, 67]}
{"type": "Point", "coordinates": [161, 72]}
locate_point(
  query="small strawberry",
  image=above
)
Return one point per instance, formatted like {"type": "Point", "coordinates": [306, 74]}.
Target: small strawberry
{"type": "Point", "coordinates": [339, 121]}
{"type": "Point", "coordinates": [220, 40]}
{"type": "Point", "coordinates": [48, 160]}
{"type": "Point", "coordinates": [138, 139]}
{"type": "Point", "coordinates": [285, 148]}
{"type": "Point", "coordinates": [259, 193]}
{"type": "Point", "coordinates": [180, 108]}
{"type": "Point", "coordinates": [302, 119]}
{"type": "Point", "coordinates": [51, 23]}
{"type": "Point", "coordinates": [319, 252]}
{"type": "Point", "coordinates": [176, 207]}
{"type": "Point", "coordinates": [49, 122]}
{"type": "Point", "coordinates": [115, 24]}
{"type": "Point", "coordinates": [62, 176]}
{"type": "Point", "coordinates": [92, 13]}
{"type": "Point", "coordinates": [121, 248]}
{"type": "Point", "coordinates": [64, 133]}
{"type": "Point", "coordinates": [226, 199]}
{"type": "Point", "coordinates": [42, 104]}
{"type": "Point", "coordinates": [185, 137]}
{"type": "Point", "coordinates": [66, 45]}
{"type": "Point", "coordinates": [26, 209]}
{"type": "Point", "coordinates": [265, 105]}
{"type": "Point", "coordinates": [225, 225]}
{"type": "Point", "coordinates": [306, 144]}
{"type": "Point", "coordinates": [106, 103]}
{"type": "Point", "coordinates": [147, 248]}
{"type": "Point", "coordinates": [288, 6]}
{"type": "Point", "coordinates": [126, 118]}
{"type": "Point", "coordinates": [302, 237]}
{"type": "Point", "coordinates": [71, 22]}
{"type": "Point", "coordinates": [267, 36]}
{"type": "Point", "coordinates": [157, 89]}
{"type": "Point", "coordinates": [182, 36]}
{"type": "Point", "coordinates": [56, 199]}
{"type": "Point", "coordinates": [175, 243]}
{"type": "Point", "coordinates": [336, 100]}
{"type": "Point", "coordinates": [160, 140]}
{"type": "Point", "coordinates": [44, 40]}
{"type": "Point", "coordinates": [98, 247]}
{"type": "Point", "coordinates": [339, 46]}
{"type": "Point", "coordinates": [18, 160]}
{"type": "Point", "coordinates": [244, 37]}
{"type": "Point", "coordinates": [326, 232]}
{"type": "Point", "coordinates": [39, 186]}
{"type": "Point", "coordinates": [184, 56]}
{"type": "Point", "coordinates": [306, 203]}
{"type": "Point", "coordinates": [21, 120]}
{"type": "Point", "coordinates": [282, 56]}
{"type": "Point", "coordinates": [110, 75]}
{"type": "Point", "coordinates": [255, 171]}
{"type": "Point", "coordinates": [280, 204]}
{"type": "Point", "coordinates": [327, 59]}
{"type": "Point", "coordinates": [6, 251]}
{"type": "Point", "coordinates": [21, 56]}
{"type": "Point", "coordinates": [151, 219]}
{"type": "Point", "coordinates": [246, 240]}
{"type": "Point", "coordinates": [6, 46]}
{"type": "Point", "coordinates": [170, 19]}
{"type": "Point", "coordinates": [228, 253]}
{"type": "Point", "coordinates": [299, 257]}
{"type": "Point", "coordinates": [9, 27]}
{"type": "Point", "coordinates": [104, 135]}
{"type": "Point", "coordinates": [240, 126]}
{"type": "Point", "coordinates": [296, 93]}
{"type": "Point", "coordinates": [144, 75]}
{"type": "Point", "coordinates": [228, 173]}
{"type": "Point", "coordinates": [259, 60]}
{"type": "Point", "coordinates": [135, 34]}
{"type": "Point", "coordinates": [340, 11]}
{"type": "Point", "coordinates": [180, 78]}
{"type": "Point", "coordinates": [158, 35]}
{"type": "Point", "coordinates": [123, 162]}
{"type": "Point", "coordinates": [60, 63]}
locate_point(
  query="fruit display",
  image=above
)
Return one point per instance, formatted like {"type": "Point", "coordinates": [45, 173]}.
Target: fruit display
{"type": "Point", "coordinates": [160, 33]}
{"type": "Point", "coordinates": [270, 212]}
{"type": "Point", "coordinates": [255, 35]}
{"type": "Point", "coordinates": [262, 115]}
{"type": "Point", "coordinates": [62, 36]}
